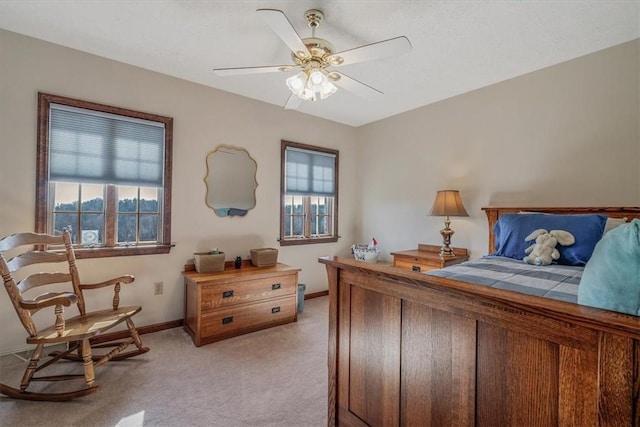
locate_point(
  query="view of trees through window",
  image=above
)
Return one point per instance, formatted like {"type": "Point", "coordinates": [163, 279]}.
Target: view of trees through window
{"type": "Point", "coordinates": [295, 215]}
{"type": "Point", "coordinates": [87, 223]}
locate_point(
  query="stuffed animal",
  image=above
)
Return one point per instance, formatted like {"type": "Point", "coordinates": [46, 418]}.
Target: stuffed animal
{"type": "Point", "coordinates": [544, 251]}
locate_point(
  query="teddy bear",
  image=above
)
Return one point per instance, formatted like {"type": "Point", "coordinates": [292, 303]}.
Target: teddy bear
{"type": "Point", "coordinates": [544, 251]}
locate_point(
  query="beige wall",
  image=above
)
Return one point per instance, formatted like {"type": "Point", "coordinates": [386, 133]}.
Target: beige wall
{"type": "Point", "coordinates": [567, 135]}
{"type": "Point", "coordinates": [203, 119]}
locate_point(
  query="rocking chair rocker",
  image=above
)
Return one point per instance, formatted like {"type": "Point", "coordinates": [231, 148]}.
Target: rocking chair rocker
{"type": "Point", "coordinates": [76, 332]}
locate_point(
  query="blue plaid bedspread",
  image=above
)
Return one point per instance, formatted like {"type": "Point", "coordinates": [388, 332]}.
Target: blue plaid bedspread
{"type": "Point", "coordinates": [559, 282]}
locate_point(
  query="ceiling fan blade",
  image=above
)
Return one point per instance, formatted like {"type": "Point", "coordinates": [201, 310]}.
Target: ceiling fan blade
{"type": "Point", "coordinates": [293, 102]}
{"type": "Point", "coordinates": [277, 20]}
{"type": "Point", "coordinates": [252, 70]}
{"type": "Point", "coordinates": [352, 85]}
{"type": "Point", "coordinates": [378, 50]}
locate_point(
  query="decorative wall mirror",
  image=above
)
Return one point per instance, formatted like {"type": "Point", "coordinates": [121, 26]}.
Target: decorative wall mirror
{"type": "Point", "coordinates": [231, 181]}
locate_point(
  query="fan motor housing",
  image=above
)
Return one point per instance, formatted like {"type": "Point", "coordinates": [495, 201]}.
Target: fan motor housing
{"type": "Point", "coordinates": [319, 48]}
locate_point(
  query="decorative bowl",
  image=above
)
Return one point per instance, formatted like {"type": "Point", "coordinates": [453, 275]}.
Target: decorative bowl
{"type": "Point", "coordinates": [364, 253]}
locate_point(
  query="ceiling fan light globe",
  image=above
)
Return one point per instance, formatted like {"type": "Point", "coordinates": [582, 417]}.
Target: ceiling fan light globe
{"type": "Point", "coordinates": [316, 81]}
{"type": "Point", "coordinates": [316, 77]}
{"type": "Point", "coordinates": [307, 95]}
{"type": "Point", "coordinates": [296, 84]}
{"type": "Point", "coordinates": [328, 89]}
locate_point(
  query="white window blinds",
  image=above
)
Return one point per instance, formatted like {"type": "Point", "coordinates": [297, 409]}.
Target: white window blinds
{"type": "Point", "coordinates": [309, 173]}
{"type": "Point", "coordinates": [93, 147]}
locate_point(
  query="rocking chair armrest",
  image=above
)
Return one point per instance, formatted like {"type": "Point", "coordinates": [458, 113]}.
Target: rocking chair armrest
{"type": "Point", "coordinates": [50, 299]}
{"type": "Point", "coordinates": [127, 278]}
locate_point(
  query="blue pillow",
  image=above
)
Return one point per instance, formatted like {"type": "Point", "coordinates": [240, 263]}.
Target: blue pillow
{"type": "Point", "coordinates": [511, 229]}
{"type": "Point", "coordinates": [611, 278]}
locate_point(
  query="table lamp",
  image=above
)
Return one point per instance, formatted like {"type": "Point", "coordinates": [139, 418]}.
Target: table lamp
{"type": "Point", "coordinates": [447, 203]}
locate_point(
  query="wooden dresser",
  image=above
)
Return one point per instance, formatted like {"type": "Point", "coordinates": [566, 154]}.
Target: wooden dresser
{"type": "Point", "coordinates": [427, 257]}
{"type": "Point", "coordinates": [233, 302]}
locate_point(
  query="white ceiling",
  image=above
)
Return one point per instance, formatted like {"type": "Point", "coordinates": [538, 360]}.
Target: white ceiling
{"type": "Point", "coordinates": [458, 46]}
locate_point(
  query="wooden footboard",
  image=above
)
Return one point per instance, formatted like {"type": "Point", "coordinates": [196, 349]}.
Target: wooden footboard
{"type": "Point", "coordinates": [413, 350]}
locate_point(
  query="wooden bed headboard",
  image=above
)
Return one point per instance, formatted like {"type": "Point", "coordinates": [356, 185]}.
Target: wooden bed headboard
{"type": "Point", "coordinates": [493, 213]}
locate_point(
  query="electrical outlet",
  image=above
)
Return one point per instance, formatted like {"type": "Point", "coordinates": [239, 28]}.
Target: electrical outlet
{"type": "Point", "coordinates": [157, 288]}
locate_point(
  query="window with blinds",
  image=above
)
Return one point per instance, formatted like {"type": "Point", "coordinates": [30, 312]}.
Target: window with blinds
{"type": "Point", "coordinates": [309, 194]}
{"type": "Point", "coordinates": [104, 173]}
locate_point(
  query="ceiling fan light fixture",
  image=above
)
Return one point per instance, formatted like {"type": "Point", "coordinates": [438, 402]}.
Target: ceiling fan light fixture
{"type": "Point", "coordinates": [311, 85]}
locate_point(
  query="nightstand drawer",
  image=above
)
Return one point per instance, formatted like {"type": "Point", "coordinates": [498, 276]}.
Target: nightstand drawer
{"type": "Point", "coordinates": [232, 293]}
{"type": "Point", "coordinates": [413, 265]}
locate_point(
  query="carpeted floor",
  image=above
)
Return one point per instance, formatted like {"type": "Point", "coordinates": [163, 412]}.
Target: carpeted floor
{"type": "Point", "coordinates": [273, 377]}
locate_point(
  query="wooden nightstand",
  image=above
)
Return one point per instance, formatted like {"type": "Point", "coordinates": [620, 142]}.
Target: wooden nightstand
{"type": "Point", "coordinates": [427, 257]}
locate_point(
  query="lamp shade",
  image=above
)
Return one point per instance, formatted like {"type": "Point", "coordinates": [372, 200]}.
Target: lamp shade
{"type": "Point", "coordinates": [448, 203]}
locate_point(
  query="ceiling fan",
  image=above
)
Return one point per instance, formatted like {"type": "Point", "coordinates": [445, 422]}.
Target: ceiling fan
{"type": "Point", "coordinates": [314, 58]}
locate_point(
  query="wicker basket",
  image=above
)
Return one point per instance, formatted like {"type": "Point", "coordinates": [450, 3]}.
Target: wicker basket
{"type": "Point", "coordinates": [264, 257]}
{"type": "Point", "coordinates": [207, 262]}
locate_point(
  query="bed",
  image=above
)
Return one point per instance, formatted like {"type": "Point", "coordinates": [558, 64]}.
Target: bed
{"type": "Point", "coordinates": [420, 350]}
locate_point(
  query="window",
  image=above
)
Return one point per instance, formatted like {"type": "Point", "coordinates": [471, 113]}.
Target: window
{"type": "Point", "coordinates": [105, 174]}
{"type": "Point", "coordinates": [309, 192]}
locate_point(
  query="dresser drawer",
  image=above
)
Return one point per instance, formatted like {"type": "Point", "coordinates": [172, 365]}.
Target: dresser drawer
{"type": "Point", "coordinates": [232, 321]}
{"type": "Point", "coordinates": [228, 294]}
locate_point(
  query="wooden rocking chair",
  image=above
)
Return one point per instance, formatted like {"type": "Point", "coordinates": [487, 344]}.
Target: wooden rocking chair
{"type": "Point", "coordinates": [76, 332]}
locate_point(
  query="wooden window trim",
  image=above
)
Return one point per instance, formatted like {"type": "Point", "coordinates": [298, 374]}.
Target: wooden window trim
{"type": "Point", "coordinates": [42, 175]}
{"type": "Point", "coordinates": [304, 241]}
{"type": "Point", "coordinates": [111, 215]}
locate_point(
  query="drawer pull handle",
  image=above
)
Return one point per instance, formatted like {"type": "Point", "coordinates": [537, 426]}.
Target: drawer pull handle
{"type": "Point", "coordinates": [415, 268]}
{"type": "Point", "coordinates": [227, 320]}
{"type": "Point", "coordinates": [227, 294]}
{"type": "Point", "coordinates": [275, 310]}
{"type": "Point", "coordinates": [275, 286]}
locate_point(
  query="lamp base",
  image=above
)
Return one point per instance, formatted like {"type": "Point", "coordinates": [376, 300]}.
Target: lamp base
{"type": "Point", "coordinates": [445, 250]}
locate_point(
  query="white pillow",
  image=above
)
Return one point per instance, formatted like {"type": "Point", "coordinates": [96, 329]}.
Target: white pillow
{"type": "Point", "coordinates": [613, 223]}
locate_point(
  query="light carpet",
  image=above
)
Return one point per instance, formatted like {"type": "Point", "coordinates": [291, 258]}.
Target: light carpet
{"type": "Point", "coordinates": [273, 377]}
